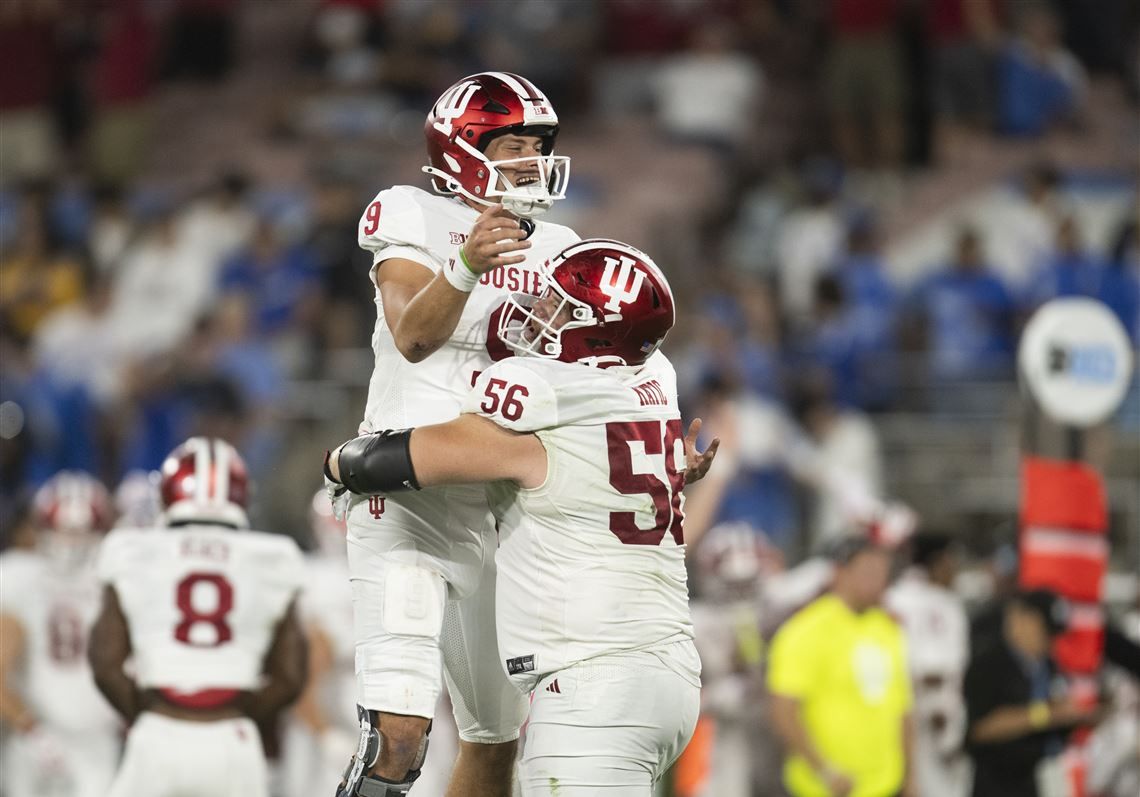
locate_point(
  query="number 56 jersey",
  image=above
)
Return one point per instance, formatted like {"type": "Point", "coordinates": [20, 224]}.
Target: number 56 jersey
{"type": "Point", "coordinates": [202, 602]}
{"type": "Point", "coordinates": [593, 561]}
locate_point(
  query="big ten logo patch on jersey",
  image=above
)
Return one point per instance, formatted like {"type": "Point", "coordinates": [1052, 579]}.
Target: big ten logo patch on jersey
{"type": "Point", "coordinates": [376, 505]}
{"type": "Point", "coordinates": [458, 237]}
{"type": "Point", "coordinates": [621, 282]}
{"type": "Point", "coordinates": [650, 394]}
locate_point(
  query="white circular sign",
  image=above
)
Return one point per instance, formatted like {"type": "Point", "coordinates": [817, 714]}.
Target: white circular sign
{"type": "Point", "coordinates": [1075, 357]}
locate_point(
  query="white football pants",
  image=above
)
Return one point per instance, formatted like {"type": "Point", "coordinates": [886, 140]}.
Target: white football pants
{"type": "Point", "coordinates": [611, 725]}
{"type": "Point", "coordinates": [166, 757]}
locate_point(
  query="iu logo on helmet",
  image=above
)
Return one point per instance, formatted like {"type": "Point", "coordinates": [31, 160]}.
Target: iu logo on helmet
{"type": "Point", "coordinates": [621, 282]}
{"type": "Point", "coordinates": [376, 505]}
{"type": "Point", "coordinates": [453, 104]}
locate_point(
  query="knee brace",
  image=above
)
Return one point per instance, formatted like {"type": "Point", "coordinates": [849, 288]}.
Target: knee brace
{"type": "Point", "coordinates": [357, 782]}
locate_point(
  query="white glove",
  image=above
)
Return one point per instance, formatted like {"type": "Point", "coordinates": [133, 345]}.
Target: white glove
{"type": "Point", "coordinates": [338, 494]}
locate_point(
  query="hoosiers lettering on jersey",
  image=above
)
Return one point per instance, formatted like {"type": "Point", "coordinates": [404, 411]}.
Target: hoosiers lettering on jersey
{"type": "Point", "coordinates": [418, 226]}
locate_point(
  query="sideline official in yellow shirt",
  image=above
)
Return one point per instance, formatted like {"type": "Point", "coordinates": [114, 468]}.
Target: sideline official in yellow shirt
{"type": "Point", "coordinates": [841, 694]}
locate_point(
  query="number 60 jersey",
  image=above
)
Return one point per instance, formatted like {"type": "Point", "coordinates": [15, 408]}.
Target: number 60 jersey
{"type": "Point", "coordinates": [593, 561]}
{"type": "Point", "coordinates": [202, 601]}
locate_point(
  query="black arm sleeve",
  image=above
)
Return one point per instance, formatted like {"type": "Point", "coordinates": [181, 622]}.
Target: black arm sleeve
{"type": "Point", "coordinates": [377, 463]}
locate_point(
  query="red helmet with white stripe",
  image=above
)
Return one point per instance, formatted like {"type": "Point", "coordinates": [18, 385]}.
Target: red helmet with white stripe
{"type": "Point", "coordinates": [475, 111]}
{"type": "Point", "coordinates": [72, 510]}
{"type": "Point", "coordinates": [73, 502]}
{"type": "Point", "coordinates": [205, 480]}
{"type": "Point", "coordinates": [604, 303]}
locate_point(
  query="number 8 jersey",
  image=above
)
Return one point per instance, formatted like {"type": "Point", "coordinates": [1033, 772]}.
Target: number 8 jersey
{"type": "Point", "coordinates": [202, 602]}
{"type": "Point", "coordinates": [593, 561]}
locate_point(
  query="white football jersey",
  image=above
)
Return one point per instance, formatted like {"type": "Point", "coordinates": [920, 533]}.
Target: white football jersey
{"type": "Point", "coordinates": [202, 602]}
{"type": "Point", "coordinates": [56, 608]}
{"type": "Point", "coordinates": [592, 562]}
{"type": "Point", "coordinates": [409, 223]}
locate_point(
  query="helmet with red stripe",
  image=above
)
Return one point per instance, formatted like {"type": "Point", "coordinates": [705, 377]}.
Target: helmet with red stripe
{"type": "Point", "coordinates": [205, 480]}
{"type": "Point", "coordinates": [603, 303]}
{"type": "Point", "coordinates": [72, 510]}
{"type": "Point", "coordinates": [75, 502]}
{"type": "Point", "coordinates": [468, 117]}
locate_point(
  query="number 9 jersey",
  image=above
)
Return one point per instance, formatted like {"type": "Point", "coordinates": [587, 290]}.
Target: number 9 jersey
{"type": "Point", "coordinates": [593, 561]}
{"type": "Point", "coordinates": [202, 602]}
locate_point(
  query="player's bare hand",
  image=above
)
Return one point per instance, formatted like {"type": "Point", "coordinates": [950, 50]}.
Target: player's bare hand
{"type": "Point", "coordinates": [838, 784]}
{"type": "Point", "coordinates": [697, 463]}
{"type": "Point", "coordinates": [496, 239]}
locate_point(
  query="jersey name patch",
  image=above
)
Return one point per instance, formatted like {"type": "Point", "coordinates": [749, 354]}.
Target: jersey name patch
{"type": "Point", "coordinates": [650, 394]}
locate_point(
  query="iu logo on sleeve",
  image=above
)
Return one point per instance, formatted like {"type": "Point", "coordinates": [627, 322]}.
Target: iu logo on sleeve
{"type": "Point", "coordinates": [620, 282]}
{"type": "Point", "coordinates": [376, 505]}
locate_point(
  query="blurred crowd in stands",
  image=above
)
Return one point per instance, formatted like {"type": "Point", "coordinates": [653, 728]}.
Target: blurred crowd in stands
{"type": "Point", "coordinates": [151, 291]}
{"type": "Point", "coordinates": [182, 180]}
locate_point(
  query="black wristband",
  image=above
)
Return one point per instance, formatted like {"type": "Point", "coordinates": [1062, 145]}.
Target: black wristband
{"type": "Point", "coordinates": [380, 462]}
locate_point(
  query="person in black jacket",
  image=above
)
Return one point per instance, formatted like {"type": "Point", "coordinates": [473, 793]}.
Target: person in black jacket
{"type": "Point", "coordinates": [1016, 715]}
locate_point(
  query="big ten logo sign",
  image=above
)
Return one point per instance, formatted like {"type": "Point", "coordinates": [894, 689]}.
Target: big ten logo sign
{"type": "Point", "coordinates": [376, 505]}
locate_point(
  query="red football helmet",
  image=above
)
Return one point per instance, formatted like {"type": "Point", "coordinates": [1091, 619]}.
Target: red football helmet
{"type": "Point", "coordinates": [73, 502]}
{"type": "Point", "coordinates": [204, 480]}
{"type": "Point", "coordinates": [604, 303]}
{"type": "Point", "coordinates": [473, 112]}
{"type": "Point", "coordinates": [72, 511]}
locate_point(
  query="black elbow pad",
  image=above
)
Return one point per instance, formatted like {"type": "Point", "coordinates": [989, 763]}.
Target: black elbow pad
{"type": "Point", "coordinates": [378, 463]}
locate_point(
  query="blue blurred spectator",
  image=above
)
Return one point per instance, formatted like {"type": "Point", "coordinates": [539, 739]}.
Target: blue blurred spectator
{"type": "Point", "coordinates": [738, 342]}
{"type": "Point", "coordinates": [761, 492]}
{"type": "Point", "coordinates": [872, 302]}
{"type": "Point", "coordinates": [831, 345]}
{"type": "Point", "coordinates": [967, 315]}
{"type": "Point", "coordinates": [280, 280]}
{"type": "Point", "coordinates": [45, 427]}
{"type": "Point", "coordinates": [1039, 82]}
{"type": "Point", "coordinates": [1070, 270]}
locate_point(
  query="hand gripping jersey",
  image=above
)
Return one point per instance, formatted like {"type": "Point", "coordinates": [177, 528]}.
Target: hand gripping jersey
{"type": "Point", "coordinates": [593, 561]}
{"type": "Point", "coordinates": [56, 608]}
{"type": "Point", "coordinates": [202, 602]}
{"type": "Point", "coordinates": [406, 222]}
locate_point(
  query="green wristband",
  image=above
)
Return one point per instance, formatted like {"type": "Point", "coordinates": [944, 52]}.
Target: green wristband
{"type": "Point", "coordinates": [463, 259]}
